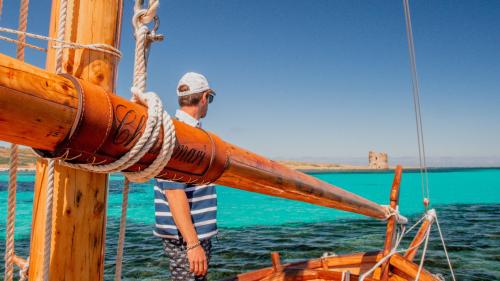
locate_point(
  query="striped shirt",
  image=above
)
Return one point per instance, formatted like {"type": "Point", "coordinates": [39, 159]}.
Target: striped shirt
{"type": "Point", "coordinates": [202, 201]}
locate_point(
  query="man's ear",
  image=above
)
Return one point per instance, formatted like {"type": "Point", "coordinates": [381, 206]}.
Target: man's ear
{"type": "Point", "coordinates": [204, 98]}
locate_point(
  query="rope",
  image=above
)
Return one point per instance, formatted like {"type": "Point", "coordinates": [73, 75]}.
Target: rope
{"type": "Point", "coordinates": [23, 22]}
{"type": "Point", "coordinates": [22, 43]}
{"type": "Point", "coordinates": [23, 272]}
{"type": "Point", "coordinates": [416, 104]}
{"type": "Point", "coordinates": [145, 15]}
{"type": "Point", "coordinates": [424, 251]}
{"type": "Point", "coordinates": [48, 220]}
{"type": "Point", "coordinates": [399, 237]}
{"type": "Point", "coordinates": [420, 134]}
{"type": "Point", "coordinates": [156, 117]}
{"type": "Point", "coordinates": [11, 215]}
{"type": "Point", "coordinates": [61, 31]}
{"type": "Point", "coordinates": [445, 251]}
{"type": "Point", "coordinates": [11, 205]}
{"type": "Point", "coordinates": [394, 250]}
{"type": "Point", "coordinates": [99, 47]}
{"type": "Point", "coordinates": [121, 237]}
{"type": "Point", "coordinates": [390, 212]}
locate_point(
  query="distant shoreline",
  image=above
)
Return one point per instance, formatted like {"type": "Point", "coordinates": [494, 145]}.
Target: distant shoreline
{"type": "Point", "coordinates": [325, 170]}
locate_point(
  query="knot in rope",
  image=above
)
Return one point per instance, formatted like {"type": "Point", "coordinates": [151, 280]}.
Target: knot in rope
{"type": "Point", "coordinates": [390, 212]}
{"type": "Point", "coordinates": [142, 17]}
{"type": "Point", "coordinates": [145, 15]}
{"type": "Point", "coordinates": [156, 119]}
{"type": "Point", "coordinates": [23, 272]}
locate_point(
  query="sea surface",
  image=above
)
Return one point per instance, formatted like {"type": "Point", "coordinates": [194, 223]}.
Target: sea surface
{"type": "Point", "coordinates": [251, 225]}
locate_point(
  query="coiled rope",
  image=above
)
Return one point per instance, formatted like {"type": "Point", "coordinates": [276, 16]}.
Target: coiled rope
{"type": "Point", "coordinates": [12, 190]}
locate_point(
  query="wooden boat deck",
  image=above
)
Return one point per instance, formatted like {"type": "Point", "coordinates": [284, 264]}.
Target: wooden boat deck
{"type": "Point", "coordinates": [336, 268]}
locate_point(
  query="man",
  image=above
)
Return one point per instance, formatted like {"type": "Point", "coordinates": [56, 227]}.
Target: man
{"type": "Point", "coordinates": [185, 213]}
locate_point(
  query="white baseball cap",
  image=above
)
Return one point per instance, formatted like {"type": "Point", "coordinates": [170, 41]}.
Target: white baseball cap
{"type": "Point", "coordinates": [196, 82]}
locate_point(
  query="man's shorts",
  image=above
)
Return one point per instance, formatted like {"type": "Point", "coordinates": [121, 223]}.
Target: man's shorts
{"type": "Point", "coordinates": [179, 263]}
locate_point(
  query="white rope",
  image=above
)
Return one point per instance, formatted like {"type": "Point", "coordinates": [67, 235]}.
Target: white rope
{"type": "Point", "coordinates": [48, 220]}
{"type": "Point", "coordinates": [420, 134]}
{"type": "Point", "coordinates": [14, 153]}
{"type": "Point", "coordinates": [445, 251]}
{"type": "Point", "coordinates": [156, 118]}
{"type": "Point", "coordinates": [429, 215]}
{"type": "Point", "coordinates": [394, 250]}
{"type": "Point", "coordinates": [424, 251]}
{"type": "Point", "coordinates": [121, 237]}
{"type": "Point", "coordinates": [145, 15]}
{"type": "Point", "coordinates": [390, 212]}
{"type": "Point", "coordinates": [23, 23]}
{"type": "Point", "coordinates": [11, 215]}
{"type": "Point", "coordinates": [61, 31]}
{"type": "Point", "coordinates": [23, 272]}
{"type": "Point", "coordinates": [416, 104]}
{"type": "Point", "coordinates": [62, 44]}
{"type": "Point", "coordinates": [22, 43]}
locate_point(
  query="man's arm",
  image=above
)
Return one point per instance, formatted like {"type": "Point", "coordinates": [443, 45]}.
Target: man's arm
{"type": "Point", "coordinates": [179, 207]}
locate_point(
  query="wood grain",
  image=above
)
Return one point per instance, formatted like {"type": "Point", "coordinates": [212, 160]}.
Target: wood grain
{"type": "Point", "coordinates": [79, 211]}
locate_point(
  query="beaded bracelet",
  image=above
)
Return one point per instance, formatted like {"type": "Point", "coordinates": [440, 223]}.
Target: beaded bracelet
{"type": "Point", "coordinates": [193, 246]}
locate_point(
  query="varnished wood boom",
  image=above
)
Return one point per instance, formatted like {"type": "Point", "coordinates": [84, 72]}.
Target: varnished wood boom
{"type": "Point", "coordinates": [74, 119]}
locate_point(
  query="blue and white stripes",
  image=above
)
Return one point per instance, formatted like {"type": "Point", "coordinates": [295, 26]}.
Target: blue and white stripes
{"type": "Point", "coordinates": [202, 201]}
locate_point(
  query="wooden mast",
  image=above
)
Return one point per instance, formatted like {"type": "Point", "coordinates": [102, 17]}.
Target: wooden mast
{"type": "Point", "coordinates": [79, 210]}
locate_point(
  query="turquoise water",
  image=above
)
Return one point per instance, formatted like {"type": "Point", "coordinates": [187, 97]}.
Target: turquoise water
{"type": "Point", "coordinates": [456, 194]}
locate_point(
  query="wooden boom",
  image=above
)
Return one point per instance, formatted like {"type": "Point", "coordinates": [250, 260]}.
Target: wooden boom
{"type": "Point", "coordinates": [74, 119]}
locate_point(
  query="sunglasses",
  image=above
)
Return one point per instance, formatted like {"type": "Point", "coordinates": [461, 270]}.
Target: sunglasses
{"type": "Point", "coordinates": [210, 97]}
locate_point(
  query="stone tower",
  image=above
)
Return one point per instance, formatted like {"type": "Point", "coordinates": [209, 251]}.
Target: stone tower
{"type": "Point", "coordinates": [378, 160]}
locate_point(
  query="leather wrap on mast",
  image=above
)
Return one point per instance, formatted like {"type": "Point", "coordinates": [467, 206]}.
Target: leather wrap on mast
{"type": "Point", "coordinates": [106, 126]}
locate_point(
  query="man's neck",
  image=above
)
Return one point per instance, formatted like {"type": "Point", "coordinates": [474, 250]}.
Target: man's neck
{"type": "Point", "coordinates": [192, 111]}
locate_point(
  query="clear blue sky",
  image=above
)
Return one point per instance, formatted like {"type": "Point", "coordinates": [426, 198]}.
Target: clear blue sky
{"type": "Point", "coordinates": [325, 79]}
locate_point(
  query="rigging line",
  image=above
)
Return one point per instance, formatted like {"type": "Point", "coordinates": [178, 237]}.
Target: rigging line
{"type": "Point", "coordinates": [416, 103]}
{"type": "Point", "coordinates": [7, 39]}
{"type": "Point", "coordinates": [445, 251]}
{"type": "Point", "coordinates": [13, 165]}
{"type": "Point", "coordinates": [100, 47]}
{"type": "Point", "coordinates": [61, 32]}
{"type": "Point", "coordinates": [414, 86]}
